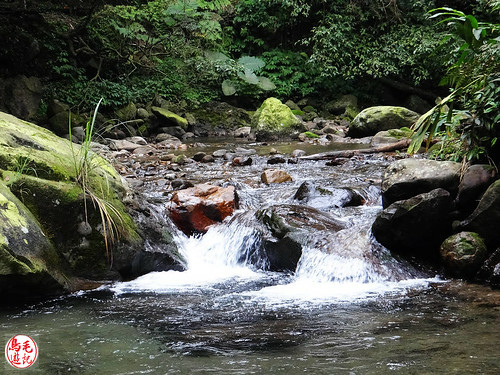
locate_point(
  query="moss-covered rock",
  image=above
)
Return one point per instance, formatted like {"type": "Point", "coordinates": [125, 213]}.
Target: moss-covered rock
{"type": "Point", "coordinates": [390, 136]}
{"type": "Point", "coordinates": [170, 118]}
{"type": "Point", "coordinates": [127, 113]}
{"type": "Point", "coordinates": [273, 118]}
{"type": "Point", "coordinates": [42, 171]}
{"type": "Point", "coordinates": [29, 263]}
{"type": "Point", "coordinates": [463, 254]}
{"type": "Point", "coordinates": [59, 123]}
{"type": "Point", "coordinates": [372, 120]}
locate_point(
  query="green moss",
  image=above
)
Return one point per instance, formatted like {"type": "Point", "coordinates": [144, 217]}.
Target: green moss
{"type": "Point", "coordinates": [274, 116]}
{"type": "Point", "coordinates": [170, 117]}
{"type": "Point", "coordinates": [298, 112]}
{"type": "Point", "coordinates": [311, 135]}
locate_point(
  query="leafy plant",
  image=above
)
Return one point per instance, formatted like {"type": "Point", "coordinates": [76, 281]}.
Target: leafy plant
{"type": "Point", "coordinates": [475, 80]}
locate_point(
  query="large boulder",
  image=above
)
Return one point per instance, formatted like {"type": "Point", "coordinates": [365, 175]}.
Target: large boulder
{"type": "Point", "coordinates": [416, 226]}
{"type": "Point", "coordinates": [485, 219]}
{"type": "Point", "coordinates": [194, 209]}
{"type": "Point", "coordinates": [169, 118]}
{"type": "Point", "coordinates": [346, 104]}
{"type": "Point", "coordinates": [375, 119]}
{"type": "Point", "coordinates": [274, 120]}
{"type": "Point", "coordinates": [289, 226]}
{"type": "Point", "coordinates": [327, 198]}
{"type": "Point", "coordinates": [463, 254]}
{"type": "Point", "coordinates": [406, 178]}
{"type": "Point", "coordinates": [29, 263]}
{"type": "Point", "coordinates": [476, 179]}
{"type": "Point", "coordinates": [217, 117]}
{"type": "Point", "coordinates": [41, 170]}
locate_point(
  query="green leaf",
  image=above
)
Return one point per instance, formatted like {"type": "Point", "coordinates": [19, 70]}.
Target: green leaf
{"type": "Point", "coordinates": [251, 63]}
{"type": "Point", "coordinates": [228, 87]}
{"type": "Point", "coordinates": [266, 84]}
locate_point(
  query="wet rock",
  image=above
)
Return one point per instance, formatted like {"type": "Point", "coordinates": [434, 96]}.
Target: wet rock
{"type": "Point", "coordinates": [476, 179]}
{"type": "Point", "coordinates": [208, 159]}
{"type": "Point", "coordinates": [463, 254]}
{"type": "Point", "coordinates": [276, 159]}
{"type": "Point", "coordinates": [275, 176]}
{"type": "Point", "coordinates": [486, 217]}
{"type": "Point", "coordinates": [327, 198]}
{"type": "Point", "coordinates": [188, 135]}
{"type": "Point", "coordinates": [242, 161]}
{"type": "Point", "coordinates": [416, 226]}
{"type": "Point", "coordinates": [298, 153]}
{"type": "Point", "coordinates": [330, 129]}
{"type": "Point", "coordinates": [219, 153]}
{"type": "Point", "coordinates": [142, 113]}
{"type": "Point", "coordinates": [408, 177]}
{"type": "Point", "coordinates": [181, 184]}
{"type": "Point", "coordinates": [242, 132]}
{"type": "Point", "coordinates": [198, 156]}
{"type": "Point", "coordinates": [194, 209]}
{"type": "Point", "coordinates": [490, 270]}
{"type": "Point", "coordinates": [375, 119]}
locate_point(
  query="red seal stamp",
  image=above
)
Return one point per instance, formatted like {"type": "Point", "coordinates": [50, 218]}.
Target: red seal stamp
{"type": "Point", "coordinates": [21, 351]}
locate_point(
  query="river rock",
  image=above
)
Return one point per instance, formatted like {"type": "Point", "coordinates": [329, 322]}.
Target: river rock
{"type": "Point", "coordinates": [298, 153]}
{"type": "Point", "coordinates": [276, 159]}
{"type": "Point", "coordinates": [242, 132]}
{"type": "Point", "coordinates": [275, 176]}
{"type": "Point", "coordinates": [416, 226]}
{"type": "Point", "coordinates": [375, 119]}
{"type": "Point", "coordinates": [274, 119]}
{"type": "Point", "coordinates": [169, 118]}
{"type": "Point", "coordinates": [490, 270]}
{"type": "Point", "coordinates": [194, 209]}
{"type": "Point", "coordinates": [219, 153]}
{"type": "Point", "coordinates": [328, 198]}
{"type": "Point", "coordinates": [242, 161]}
{"type": "Point", "coordinates": [390, 136]}
{"type": "Point", "coordinates": [198, 156]}
{"type": "Point", "coordinates": [165, 140]}
{"type": "Point", "coordinates": [55, 106]}
{"type": "Point", "coordinates": [476, 179]}
{"type": "Point", "coordinates": [60, 122]}
{"type": "Point", "coordinates": [123, 144]}
{"type": "Point", "coordinates": [485, 220]}
{"type": "Point", "coordinates": [408, 177]}
{"type": "Point", "coordinates": [175, 131]}
{"type": "Point", "coordinates": [463, 254]}
{"type": "Point", "coordinates": [207, 159]}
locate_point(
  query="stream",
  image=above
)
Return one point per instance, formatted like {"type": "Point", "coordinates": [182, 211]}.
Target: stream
{"type": "Point", "coordinates": [349, 308]}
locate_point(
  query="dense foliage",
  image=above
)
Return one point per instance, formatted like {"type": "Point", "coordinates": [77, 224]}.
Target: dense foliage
{"type": "Point", "coordinates": [468, 120]}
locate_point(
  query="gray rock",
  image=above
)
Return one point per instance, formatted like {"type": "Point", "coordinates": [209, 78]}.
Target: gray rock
{"type": "Point", "coordinates": [208, 159]}
{"type": "Point", "coordinates": [476, 179]}
{"type": "Point", "coordinates": [198, 156]}
{"type": "Point", "coordinates": [328, 198]}
{"type": "Point", "coordinates": [219, 153]}
{"type": "Point", "coordinates": [122, 144]}
{"type": "Point", "coordinates": [176, 131]}
{"type": "Point", "coordinates": [485, 220]}
{"type": "Point", "coordinates": [127, 113]}
{"type": "Point", "coordinates": [416, 226]}
{"type": "Point", "coordinates": [276, 159]}
{"type": "Point", "coordinates": [389, 136]}
{"type": "Point", "coordinates": [338, 106]}
{"type": "Point", "coordinates": [298, 153]}
{"type": "Point", "coordinates": [408, 177]}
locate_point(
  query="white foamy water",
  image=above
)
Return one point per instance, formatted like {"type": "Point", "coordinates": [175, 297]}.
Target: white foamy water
{"type": "Point", "coordinates": [218, 260]}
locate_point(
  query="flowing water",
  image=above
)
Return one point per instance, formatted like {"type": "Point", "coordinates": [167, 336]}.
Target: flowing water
{"type": "Point", "coordinates": [349, 308]}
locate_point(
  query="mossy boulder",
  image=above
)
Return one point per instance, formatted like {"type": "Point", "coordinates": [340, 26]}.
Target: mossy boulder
{"type": "Point", "coordinates": [463, 254]}
{"type": "Point", "coordinates": [60, 122]}
{"type": "Point", "coordinates": [372, 120]}
{"type": "Point", "coordinates": [390, 136]}
{"type": "Point", "coordinates": [274, 119]}
{"type": "Point", "coordinates": [40, 169]}
{"type": "Point", "coordinates": [127, 113]}
{"type": "Point", "coordinates": [29, 263]}
{"type": "Point", "coordinates": [169, 118]}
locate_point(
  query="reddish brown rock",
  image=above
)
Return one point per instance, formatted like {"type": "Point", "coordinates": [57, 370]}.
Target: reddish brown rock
{"type": "Point", "coordinates": [194, 209]}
